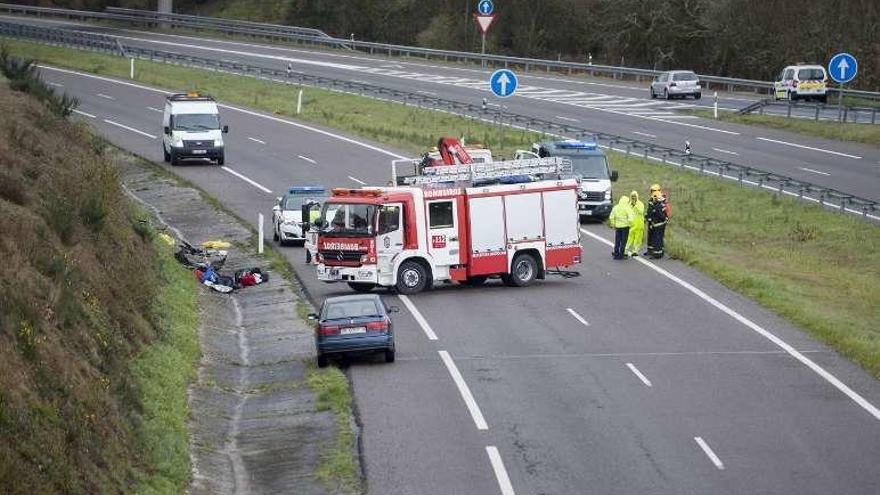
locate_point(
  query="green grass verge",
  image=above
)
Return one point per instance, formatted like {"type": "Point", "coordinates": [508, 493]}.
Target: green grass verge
{"type": "Point", "coordinates": [162, 373]}
{"type": "Point", "coordinates": [855, 133]}
{"type": "Point", "coordinates": [338, 469]}
{"type": "Point", "coordinates": [812, 266]}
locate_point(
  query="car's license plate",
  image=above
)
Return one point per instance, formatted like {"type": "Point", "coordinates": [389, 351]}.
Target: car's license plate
{"type": "Point", "coordinates": [353, 330]}
{"type": "Point", "coordinates": [199, 152]}
{"type": "Point", "coordinates": [587, 212]}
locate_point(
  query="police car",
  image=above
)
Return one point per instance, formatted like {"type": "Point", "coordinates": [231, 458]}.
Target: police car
{"type": "Point", "coordinates": [287, 215]}
{"type": "Point", "coordinates": [590, 166]}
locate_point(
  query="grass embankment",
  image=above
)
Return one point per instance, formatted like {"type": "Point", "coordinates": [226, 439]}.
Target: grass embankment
{"type": "Point", "coordinates": [850, 132]}
{"type": "Point", "coordinates": [98, 331]}
{"type": "Point", "coordinates": [814, 267]}
{"type": "Point", "coordinates": [332, 392]}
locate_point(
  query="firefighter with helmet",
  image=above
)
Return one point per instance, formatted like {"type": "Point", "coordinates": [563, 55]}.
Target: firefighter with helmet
{"type": "Point", "coordinates": [656, 216]}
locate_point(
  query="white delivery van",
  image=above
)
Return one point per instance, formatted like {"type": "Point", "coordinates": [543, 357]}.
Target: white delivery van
{"type": "Point", "coordinates": [802, 82]}
{"type": "Point", "coordinates": [191, 129]}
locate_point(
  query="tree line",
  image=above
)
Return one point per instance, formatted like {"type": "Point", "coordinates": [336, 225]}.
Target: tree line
{"type": "Point", "coordinates": [751, 39]}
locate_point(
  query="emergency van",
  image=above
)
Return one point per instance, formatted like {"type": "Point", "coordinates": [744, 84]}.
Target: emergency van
{"type": "Point", "coordinates": [514, 220]}
{"type": "Point", "coordinates": [191, 129]}
{"type": "Point", "coordinates": [589, 166]}
{"type": "Point", "coordinates": [802, 82]}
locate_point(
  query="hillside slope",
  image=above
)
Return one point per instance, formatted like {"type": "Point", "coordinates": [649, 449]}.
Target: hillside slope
{"type": "Point", "coordinates": [80, 275]}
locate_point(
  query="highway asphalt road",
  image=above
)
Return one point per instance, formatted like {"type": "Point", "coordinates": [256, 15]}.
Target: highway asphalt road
{"type": "Point", "coordinates": [597, 104]}
{"type": "Point", "coordinates": [633, 378]}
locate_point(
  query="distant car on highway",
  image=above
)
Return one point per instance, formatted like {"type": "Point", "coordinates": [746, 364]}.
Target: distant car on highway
{"type": "Point", "coordinates": [801, 82]}
{"type": "Point", "coordinates": [354, 324]}
{"type": "Point", "coordinates": [287, 215]}
{"type": "Point", "coordinates": [676, 83]}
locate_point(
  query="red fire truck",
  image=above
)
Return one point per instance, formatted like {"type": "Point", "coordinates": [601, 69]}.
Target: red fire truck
{"type": "Point", "coordinates": [466, 223]}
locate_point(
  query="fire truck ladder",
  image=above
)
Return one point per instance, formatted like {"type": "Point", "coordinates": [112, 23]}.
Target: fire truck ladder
{"type": "Point", "coordinates": [539, 168]}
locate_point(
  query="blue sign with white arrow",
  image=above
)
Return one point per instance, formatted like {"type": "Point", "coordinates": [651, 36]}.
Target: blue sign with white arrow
{"type": "Point", "coordinates": [503, 83]}
{"type": "Point", "coordinates": [485, 7]}
{"type": "Point", "coordinates": [843, 68]}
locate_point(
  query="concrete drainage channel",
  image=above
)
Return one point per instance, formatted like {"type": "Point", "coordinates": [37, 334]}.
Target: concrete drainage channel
{"type": "Point", "coordinates": [254, 426]}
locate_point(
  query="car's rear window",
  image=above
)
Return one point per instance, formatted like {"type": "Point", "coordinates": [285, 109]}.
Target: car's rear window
{"type": "Point", "coordinates": [351, 309]}
{"type": "Point", "coordinates": [684, 76]}
{"type": "Point", "coordinates": [811, 75]}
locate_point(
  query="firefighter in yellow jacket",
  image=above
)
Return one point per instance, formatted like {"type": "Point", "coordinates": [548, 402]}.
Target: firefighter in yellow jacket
{"type": "Point", "coordinates": [637, 229]}
{"type": "Point", "coordinates": [620, 219]}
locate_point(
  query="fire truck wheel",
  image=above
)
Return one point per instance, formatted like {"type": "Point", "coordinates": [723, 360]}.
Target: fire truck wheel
{"type": "Point", "coordinates": [361, 287]}
{"type": "Point", "coordinates": [523, 271]}
{"type": "Point", "coordinates": [411, 278]}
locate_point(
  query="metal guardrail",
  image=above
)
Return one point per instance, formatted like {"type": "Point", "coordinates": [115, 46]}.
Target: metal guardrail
{"type": "Point", "coordinates": [744, 174]}
{"type": "Point", "coordinates": [307, 35]}
{"type": "Point", "coordinates": [846, 113]}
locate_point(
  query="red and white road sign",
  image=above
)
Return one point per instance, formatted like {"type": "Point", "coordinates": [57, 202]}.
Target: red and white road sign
{"type": "Point", "coordinates": [484, 21]}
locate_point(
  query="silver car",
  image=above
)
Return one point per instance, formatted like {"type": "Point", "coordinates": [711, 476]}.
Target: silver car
{"type": "Point", "coordinates": [674, 83]}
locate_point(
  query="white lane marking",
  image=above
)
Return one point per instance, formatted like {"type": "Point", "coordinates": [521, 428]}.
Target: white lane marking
{"type": "Point", "coordinates": [80, 112]}
{"type": "Point", "coordinates": [639, 374]}
{"type": "Point", "coordinates": [577, 317]}
{"type": "Point", "coordinates": [248, 180]}
{"type": "Point", "coordinates": [307, 159]}
{"type": "Point", "coordinates": [154, 109]}
{"type": "Point", "coordinates": [728, 152]}
{"type": "Point", "coordinates": [805, 169]}
{"type": "Point", "coordinates": [500, 471]}
{"type": "Point", "coordinates": [132, 129]}
{"type": "Point", "coordinates": [786, 143]}
{"type": "Point", "coordinates": [236, 109]}
{"type": "Point", "coordinates": [644, 134]}
{"type": "Point", "coordinates": [426, 327]}
{"type": "Point", "coordinates": [256, 140]}
{"type": "Point", "coordinates": [569, 119]}
{"type": "Point", "coordinates": [357, 180]}
{"type": "Point", "coordinates": [57, 85]}
{"type": "Point", "coordinates": [833, 380]}
{"type": "Point", "coordinates": [465, 392]}
{"type": "Point", "coordinates": [106, 97]}
{"type": "Point", "coordinates": [709, 453]}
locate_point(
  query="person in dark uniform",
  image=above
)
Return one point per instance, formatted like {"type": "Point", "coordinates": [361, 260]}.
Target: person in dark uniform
{"type": "Point", "coordinates": [656, 216]}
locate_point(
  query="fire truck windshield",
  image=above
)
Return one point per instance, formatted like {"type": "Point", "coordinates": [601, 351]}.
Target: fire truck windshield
{"type": "Point", "coordinates": [348, 220]}
{"type": "Point", "coordinates": [590, 166]}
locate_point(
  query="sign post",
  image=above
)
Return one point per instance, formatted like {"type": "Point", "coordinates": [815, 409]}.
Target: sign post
{"type": "Point", "coordinates": [843, 68]}
{"type": "Point", "coordinates": [484, 18]}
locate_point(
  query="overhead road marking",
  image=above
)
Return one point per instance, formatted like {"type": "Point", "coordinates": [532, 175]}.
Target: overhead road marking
{"type": "Point", "coordinates": [357, 180]}
{"type": "Point", "coordinates": [786, 143]}
{"type": "Point", "coordinates": [805, 169]}
{"type": "Point", "coordinates": [307, 159]}
{"type": "Point", "coordinates": [132, 129]}
{"type": "Point", "coordinates": [577, 317]}
{"type": "Point", "coordinates": [709, 453]}
{"type": "Point", "coordinates": [727, 152]}
{"type": "Point", "coordinates": [106, 97]}
{"type": "Point", "coordinates": [500, 471]}
{"type": "Point", "coordinates": [154, 109]}
{"type": "Point", "coordinates": [465, 392]}
{"type": "Point", "coordinates": [248, 180]}
{"type": "Point", "coordinates": [80, 112]}
{"type": "Point", "coordinates": [639, 374]}
{"type": "Point", "coordinates": [833, 380]}
{"type": "Point", "coordinates": [256, 140]}
{"type": "Point", "coordinates": [644, 134]}
{"type": "Point", "coordinates": [426, 327]}
{"type": "Point", "coordinates": [568, 119]}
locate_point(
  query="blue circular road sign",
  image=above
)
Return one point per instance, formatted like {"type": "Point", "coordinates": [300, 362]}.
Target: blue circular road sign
{"type": "Point", "coordinates": [843, 68]}
{"type": "Point", "coordinates": [503, 83]}
{"type": "Point", "coordinates": [485, 7]}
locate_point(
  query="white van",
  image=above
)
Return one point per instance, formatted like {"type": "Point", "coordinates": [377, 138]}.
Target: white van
{"type": "Point", "coordinates": [801, 82]}
{"type": "Point", "coordinates": [191, 129]}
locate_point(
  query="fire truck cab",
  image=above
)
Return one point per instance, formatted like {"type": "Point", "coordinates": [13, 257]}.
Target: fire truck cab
{"type": "Point", "coordinates": [463, 223]}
